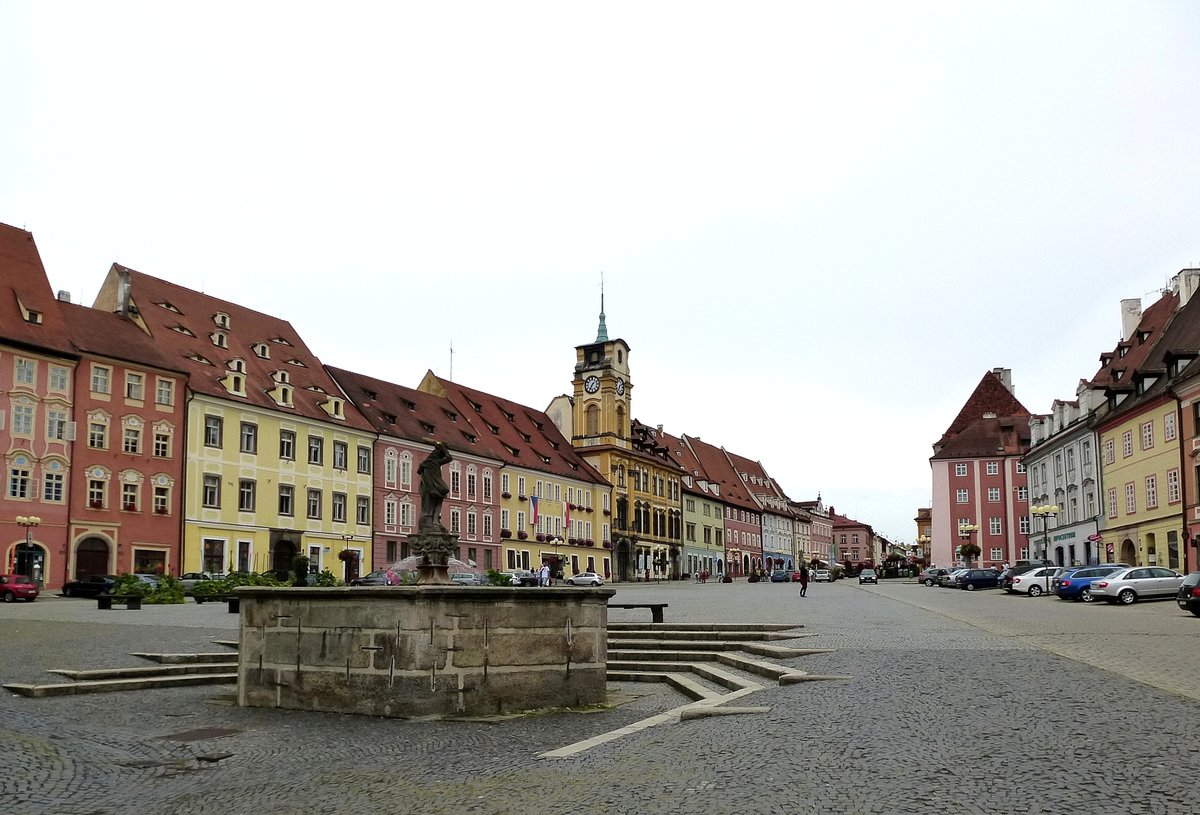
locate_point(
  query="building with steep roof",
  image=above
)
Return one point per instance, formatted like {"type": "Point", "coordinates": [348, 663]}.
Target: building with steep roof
{"type": "Point", "coordinates": [743, 514]}
{"type": "Point", "coordinates": [554, 505]}
{"type": "Point", "coordinates": [855, 541]}
{"type": "Point", "coordinates": [980, 494]}
{"type": "Point", "coordinates": [821, 548]}
{"type": "Point", "coordinates": [703, 513]}
{"type": "Point", "coordinates": [37, 376]}
{"type": "Point", "coordinates": [778, 519]}
{"type": "Point", "coordinates": [278, 463]}
{"type": "Point", "coordinates": [1138, 429]}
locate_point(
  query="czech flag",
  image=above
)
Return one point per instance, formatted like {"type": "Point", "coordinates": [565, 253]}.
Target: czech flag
{"type": "Point", "coordinates": [533, 510]}
{"type": "Point", "coordinates": [566, 519]}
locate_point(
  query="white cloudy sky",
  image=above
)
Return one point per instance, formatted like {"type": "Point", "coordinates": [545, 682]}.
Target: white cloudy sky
{"type": "Point", "coordinates": [819, 223]}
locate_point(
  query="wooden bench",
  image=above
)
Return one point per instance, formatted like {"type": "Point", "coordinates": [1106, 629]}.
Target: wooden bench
{"type": "Point", "coordinates": [235, 603]}
{"type": "Point", "coordinates": [132, 602]}
{"type": "Point", "coordinates": [656, 609]}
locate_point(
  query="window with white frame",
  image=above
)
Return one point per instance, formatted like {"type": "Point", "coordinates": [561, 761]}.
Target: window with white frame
{"type": "Point", "coordinates": [1023, 525]}
{"type": "Point", "coordinates": [1147, 435]}
{"type": "Point", "coordinates": [56, 424]}
{"type": "Point", "coordinates": [1169, 427]}
{"type": "Point", "coordinates": [162, 500]}
{"type": "Point", "coordinates": [96, 492]}
{"type": "Point", "coordinates": [162, 444]}
{"type": "Point", "coordinates": [993, 495]}
{"type": "Point", "coordinates": [1112, 502]}
{"type": "Point", "coordinates": [504, 483]}
{"type": "Point", "coordinates": [471, 482]}
{"type": "Point", "coordinates": [22, 421]}
{"type": "Point", "coordinates": [1130, 498]}
{"type": "Point", "coordinates": [487, 486]}
{"type": "Point", "coordinates": [471, 524]}
{"type": "Point", "coordinates": [961, 496]}
{"type": "Point", "coordinates": [213, 426]}
{"type": "Point", "coordinates": [101, 379]}
{"type": "Point", "coordinates": [1151, 492]}
{"type": "Point", "coordinates": [455, 520]}
{"type": "Point", "coordinates": [132, 439]}
{"type": "Point", "coordinates": [341, 455]}
{"type": "Point", "coordinates": [59, 378]}
{"type": "Point", "coordinates": [97, 434]}
{"type": "Point", "coordinates": [313, 504]}
{"type": "Point", "coordinates": [1127, 444]}
{"type": "Point", "coordinates": [406, 513]}
{"type": "Point", "coordinates": [52, 484]}
{"type": "Point", "coordinates": [337, 507]}
{"type": "Point", "coordinates": [487, 525]}
{"type": "Point", "coordinates": [504, 520]}
{"type": "Point", "coordinates": [164, 391]}
{"type": "Point", "coordinates": [996, 553]}
{"type": "Point", "coordinates": [362, 510]}
{"type": "Point", "coordinates": [364, 459]}
{"type": "Point", "coordinates": [1172, 486]}
{"type": "Point", "coordinates": [211, 491]}
{"type": "Point", "coordinates": [247, 498]}
{"type": "Point", "coordinates": [520, 485]}
{"type": "Point", "coordinates": [18, 479]}
{"type": "Point", "coordinates": [993, 468]}
{"type": "Point", "coordinates": [1022, 493]}
{"type": "Point", "coordinates": [994, 526]}
{"type": "Point", "coordinates": [134, 386]}
{"type": "Point", "coordinates": [391, 467]}
{"type": "Point", "coordinates": [406, 470]}
{"type": "Point", "coordinates": [389, 512]}
{"type": "Point", "coordinates": [24, 372]}
{"type": "Point", "coordinates": [455, 481]}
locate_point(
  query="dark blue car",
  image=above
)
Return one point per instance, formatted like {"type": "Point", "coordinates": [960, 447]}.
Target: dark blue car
{"type": "Point", "coordinates": [973, 579]}
{"type": "Point", "coordinates": [1076, 584]}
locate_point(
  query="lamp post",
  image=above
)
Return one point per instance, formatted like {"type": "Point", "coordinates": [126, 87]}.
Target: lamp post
{"type": "Point", "coordinates": [964, 533]}
{"type": "Point", "coordinates": [558, 563]}
{"type": "Point", "coordinates": [28, 523]}
{"type": "Point", "coordinates": [1045, 512]}
{"type": "Point", "coordinates": [923, 547]}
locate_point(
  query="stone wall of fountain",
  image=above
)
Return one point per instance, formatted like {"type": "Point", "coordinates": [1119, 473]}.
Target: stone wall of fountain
{"type": "Point", "coordinates": [426, 650]}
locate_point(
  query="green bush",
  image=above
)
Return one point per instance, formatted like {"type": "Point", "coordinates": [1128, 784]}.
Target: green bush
{"type": "Point", "coordinates": [495, 578]}
{"type": "Point", "coordinates": [300, 570]}
{"type": "Point", "coordinates": [209, 588]}
{"type": "Point", "coordinates": [169, 590]}
{"type": "Point", "coordinates": [326, 578]}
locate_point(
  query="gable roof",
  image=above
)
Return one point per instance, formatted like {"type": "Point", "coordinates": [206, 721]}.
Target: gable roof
{"type": "Point", "coordinates": [1117, 366]}
{"type": "Point", "coordinates": [182, 322]}
{"type": "Point", "coordinates": [24, 288]}
{"type": "Point", "coordinates": [411, 414]}
{"type": "Point", "coordinates": [692, 469]}
{"type": "Point", "coordinates": [990, 396]}
{"type": "Point", "coordinates": [758, 482]}
{"type": "Point", "coordinates": [514, 433]}
{"type": "Point", "coordinates": [720, 471]}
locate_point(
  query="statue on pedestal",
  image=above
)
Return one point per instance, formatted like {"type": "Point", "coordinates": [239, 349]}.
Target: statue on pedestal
{"type": "Point", "coordinates": [432, 542]}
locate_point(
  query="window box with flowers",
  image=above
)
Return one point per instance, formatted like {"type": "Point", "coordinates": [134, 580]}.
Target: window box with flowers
{"type": "Point", "coordinates": [521, 498]}
{"type": "Point", "coordinates": [608, 544]}
{"type": "Point", "coordinates": [347, 555]}
{"type": "Point", "coordinates": [589, 542]}
{"type": "Point", "coordinates": [523, 534]}
{"type": "Point", "coordinates": [128, 507]}
{"type": "Point", "coordinates": [541, 538]}
{"type": "Point", "coordinates": [506, 495]}
{"type": "Point", "coordinates": [96, 504]}
{"type": "Point", "coordinates": [160, 511]}
{"type": "Point", "coordinates": [587, 509]}
{"type": "Point", "coordinates": [608, 512]}
{"type": "Point", "coordinates": [506, 533]}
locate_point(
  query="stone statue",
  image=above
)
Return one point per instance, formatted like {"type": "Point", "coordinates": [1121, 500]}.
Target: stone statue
{"type": "Point", "coordinates": [433, 489]}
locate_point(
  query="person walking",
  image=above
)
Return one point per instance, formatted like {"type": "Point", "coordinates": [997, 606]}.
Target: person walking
{"type": "Point", "coordinates": [803, 581]}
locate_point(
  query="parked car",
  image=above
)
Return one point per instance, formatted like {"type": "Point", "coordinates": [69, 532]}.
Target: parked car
{"type": "Point", "coordinates": [930, 575]}
{"type": "Point", "coordinates": [1018, 568]}
{"type": "Point", "coordinates": [377, 578]}
{"type": "Point", "coordinates": [521, 577]}
{"type": "Point", "coordinates": [1076, 584]}
{"type": "Point", "coordinates": [946, 581]}
{"type": "Point", "coordinates": [1188, 597]}
{"type": "Point", "coordinates": [468, 579]}
{"type": "Point", "coordinates": [585, 579]}
{"type": "Point", "coordinates": [868, 576]}
{"type": "Point", "coordinates": [1127, 586]}
{"type": "Point", "coordinates": [190, 579]}
{"type": "Point", "coordinates": [778, 576]}
{"type": "Point", "coordinates": [1034, 582]}
{"type": "Point", "coordinates": [822, 576]}
{"type": "Point", "coordinates": [17, 587]}
{"type": "Point", "coordinates": [89, 586]}
{"type": "Point", "coordinates": [971, 579]}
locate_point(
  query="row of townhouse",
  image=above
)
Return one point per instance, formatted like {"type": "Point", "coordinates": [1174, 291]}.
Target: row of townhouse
{"type": "Point", "coordinates": [167, 430]}
{"type": "Point", "coordinates": [1106, 477]}
{"type": "Point", "coordinates": [1112, 473]}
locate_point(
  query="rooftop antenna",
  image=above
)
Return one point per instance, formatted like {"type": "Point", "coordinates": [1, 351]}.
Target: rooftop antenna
{"type": "Point", "coordinates": [451, 360]}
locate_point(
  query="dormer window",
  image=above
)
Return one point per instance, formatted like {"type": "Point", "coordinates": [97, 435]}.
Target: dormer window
{"type": "Point", "coordinates": [1122, 351]}
{"type": "Point", "coordinates": [32, 316]}
{"type": "Point", "coordinates": [282, 394]}
{"type": "Point", "coordinates": [237, 365]}
{"type": "Point", "coordinates": [281, 376]}
{"type": "Point", "coordinates": [314, 388]}
{"type": "Point", "coordinates": [168, 306]}
{"type": "Point", "coordinates": [198, 358]}
{"type": "Point", "coordinates": [219, 339]}
{"type": "Point", "coordinates": [182, 329]}
{"type": "Point", "coordinates": [235, 383]}
{"type": "Point", "coordinates": [333, 406]}
{"type": "Point", "coordinates": [221, 319]}
{"type": "Point", "coordinates": [280, 341]}
{"type": "Point", "coordinates": [451, 415]}
{"type": "Point", "coordinates": [297, 363]}
{"type": "Point", "coordinates": [262, 350]}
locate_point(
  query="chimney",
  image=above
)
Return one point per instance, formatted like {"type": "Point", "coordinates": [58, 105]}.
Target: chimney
{"type": "Point", "coordinates": [1131, 315]}
{"type": "Point", "coordinates": [1005, 375]}
{"type": "Point", "coordinates": [1189, 282]}
{"type": "Point", "coordinates": [123, 286]}
{"type": "Point", "coordinates": [64, 296]}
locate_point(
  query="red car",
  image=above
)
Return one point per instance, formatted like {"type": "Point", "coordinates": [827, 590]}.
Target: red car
{"type": "Point", "coordinates": [17, 587]}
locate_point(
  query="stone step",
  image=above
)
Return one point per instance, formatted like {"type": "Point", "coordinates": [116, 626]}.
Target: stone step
{"type": "Point", "coordinates": [179, 669]}
{"type": "Point", "coordinates": [706, 672]}
{"type": "Point", "coordinates": [730, 634]}
{"type": "Point", "coordinates": [222, 657]}
{"type": "Point", "coordinates": [680, 682]}
{"type": "Point", "coordinates": [761, 649]}
{"type": "Point", "coordinates": [112, 685]}
{"type": "Point", "coordinates": [702, 626]}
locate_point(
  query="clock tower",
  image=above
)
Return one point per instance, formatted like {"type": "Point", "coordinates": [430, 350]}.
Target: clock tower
{"type": "Point", "coordinates": [600, 407]}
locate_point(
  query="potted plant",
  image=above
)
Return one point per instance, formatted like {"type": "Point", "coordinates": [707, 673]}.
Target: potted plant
{"type": "Point", "coordinates": [505, 533]}
{"type": "Point", "coordinates": [347, 555]}
{"type": "Point", "coordinates": [521, 498]}
{"type": "Point", "coordinates": [506, 495]}
{"type": "Point", "coordinates": [522, 534]}
{"type": "Point", "coordinates": [608, 544]}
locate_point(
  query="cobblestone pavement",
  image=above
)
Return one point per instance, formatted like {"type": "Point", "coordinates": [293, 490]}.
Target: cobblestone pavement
{"type": "Point", "coordinates": [958, 703]}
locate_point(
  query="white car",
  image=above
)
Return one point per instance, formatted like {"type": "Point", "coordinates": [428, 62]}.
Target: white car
{"type": "Point", "coordinates": [822, 576]}
{"type": "Point", "coordinates": [1034, 582]}
{"type": "Point", "coordinates": [585, 579]}
{"type": "Point", "coordinates": [1142, 583]}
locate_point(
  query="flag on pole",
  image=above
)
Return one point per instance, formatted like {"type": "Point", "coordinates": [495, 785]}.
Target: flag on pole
{"type": "Point", "coordinates": [533, 510]}
{"type": "Point", "coordinates": [566, 519]}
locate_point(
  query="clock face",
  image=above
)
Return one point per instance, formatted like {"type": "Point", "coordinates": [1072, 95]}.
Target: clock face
{"type": "Point", "coordinates": [620, 387]}
{"type": "Point", "coordinates": [591, 384]}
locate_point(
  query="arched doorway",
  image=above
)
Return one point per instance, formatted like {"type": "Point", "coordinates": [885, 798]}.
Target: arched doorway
{"type": "Point", "coordinates": [92, 556]}
{"type": "Point", "coordinates": [1128, 552]}
{"type": "Point", "coordinates": [31, 561]}
{"type": "Point", "coordinates": [624, 559]}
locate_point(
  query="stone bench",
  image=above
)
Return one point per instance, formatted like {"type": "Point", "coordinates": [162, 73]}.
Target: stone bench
{"type": "Point", "coordinates": [132, 602]}
{"type": "Point", "coordinates": [656, 609]}
{"type": "Point", "coordinates": [232, 599]}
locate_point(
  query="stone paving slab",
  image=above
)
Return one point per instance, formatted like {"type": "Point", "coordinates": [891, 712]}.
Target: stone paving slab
{"type": "Point", "coordinates": [956, 703]}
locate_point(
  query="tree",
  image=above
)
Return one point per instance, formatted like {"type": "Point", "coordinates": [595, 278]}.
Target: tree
{"type": "Point", "coordinates": [969, 551]}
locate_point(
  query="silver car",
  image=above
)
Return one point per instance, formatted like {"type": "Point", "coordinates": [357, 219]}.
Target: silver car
{"type": "Point", "coordinates": [1139, 583]}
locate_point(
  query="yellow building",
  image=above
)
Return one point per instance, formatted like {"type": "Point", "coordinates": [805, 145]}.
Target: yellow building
{"type": "Point", "coordinates": [647, 520]}
{"type": "Point", "coordinates": [278, 463]}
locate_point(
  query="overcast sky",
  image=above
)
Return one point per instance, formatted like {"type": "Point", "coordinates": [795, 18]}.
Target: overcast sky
{"type": "Point", "coordinates": [819, 224]}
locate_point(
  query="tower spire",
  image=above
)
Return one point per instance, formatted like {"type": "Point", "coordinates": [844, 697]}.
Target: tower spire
{"type": "Point", "coordinates": [602, 331]}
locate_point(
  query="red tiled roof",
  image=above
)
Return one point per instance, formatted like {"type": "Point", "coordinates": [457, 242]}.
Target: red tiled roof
{"type": "Point", "coordinates": [686, 460]}
{"type": "Point", "coordinates": [411, 414]}
{"type": "Point", "coordinates": [999, 436]}
{"type": "Point", "coordinates": [515, 433]}
{"type": "Point", "coordinates": [989, 396]}
{"type": "Point", "coordinates": [102, 333]}
{"type": "Point", "coordinates": [181, 322]}
{"type": "Point", "coordinates": [1115, 368]}
{"type": "Point", "coordinates": [755, 469]}
{"type": "Point", "coordinates": [720, 471]}
{"type": "Point", "coordinates": [23, 281]}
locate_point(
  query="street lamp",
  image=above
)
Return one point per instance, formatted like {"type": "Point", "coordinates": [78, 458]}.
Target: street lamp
{"type": "Point", "coordinates": [964, 532]}
{"type": "Point", "coordinates": [1045, 512]}
{"type": "Point", "coordinates": [923, 546]}
{"type": "Point", "coordinates": [28, 522]}
{"type": "Point", "coordinates": [558, 563]}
